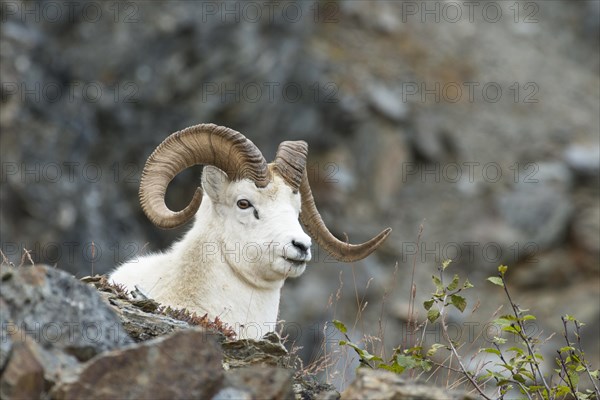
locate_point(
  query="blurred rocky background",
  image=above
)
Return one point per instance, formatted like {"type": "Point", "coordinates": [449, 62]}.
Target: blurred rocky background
{"type": "Point", "coordinates": [476, 121]}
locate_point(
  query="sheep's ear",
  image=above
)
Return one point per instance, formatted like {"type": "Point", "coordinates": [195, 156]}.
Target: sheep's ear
{"type": "Point", "coordinates": [214, 182]}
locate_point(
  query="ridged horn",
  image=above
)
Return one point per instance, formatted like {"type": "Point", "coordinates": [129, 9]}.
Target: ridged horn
{"type": "Point", "coordinates": [290, 162]}
{"type": "Point", "coordinates": [341, 251]}
{"type": "Point", "coordinates": [206, 144]}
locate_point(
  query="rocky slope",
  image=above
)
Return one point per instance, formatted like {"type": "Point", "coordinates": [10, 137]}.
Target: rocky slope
{"type": "Point", "coordinates": [63, 339]}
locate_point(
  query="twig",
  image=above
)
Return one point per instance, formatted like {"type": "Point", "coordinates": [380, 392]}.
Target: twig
{"type": "Point", "coordinates": [442, 310]}
{"type": "Point", "coordinates": [413, 288]}
{"type": "Point", "coordinates": [26, 254]}
{"type": "Point", "coordinates": [581, 352]}
{"type": "Point", "coordinates": [6, 261]}
{"type": "Point", "coordinates": [382, 325]}
{"type": "Point", "coordinates": [568, 380]}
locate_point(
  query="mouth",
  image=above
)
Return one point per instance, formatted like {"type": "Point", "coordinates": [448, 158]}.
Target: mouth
{"type": "Point", "coordinates": [296, 262]}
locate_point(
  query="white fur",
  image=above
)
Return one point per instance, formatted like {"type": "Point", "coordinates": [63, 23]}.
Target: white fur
{"type": "Point", "coordinates": [230, 264]}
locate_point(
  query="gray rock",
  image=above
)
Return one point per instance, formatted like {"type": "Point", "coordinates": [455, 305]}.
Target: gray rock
{"type": "Point", "coordinates": [268, 351]}
{"type": "Point", "coordinates": [141, 325]}
{"type": "Point", "coordinates": [57, 311]}
{"type": "Point", "coordinates": [387, 102]}
{"type": "Point", "coordinates": [183, 365]}
{"type": "Point", "coordinates": [385, 385]}
{"type": "Point", "coordinates": [583, 159]}
{"type": "Point", "coordinates": [231, 393]}
{"type": "Point", "coordinates": [5, 339]}
{"type": "Point", "coordinates": [23, 377]}
{"type": "Point", "coordinates": [539, 213]}
{"type": "Point", "coordinates": [586, 229]}
{"type": "Point", "coordinates": [24, 357]}
{"type": "Point", "coordinates": [260, 382]}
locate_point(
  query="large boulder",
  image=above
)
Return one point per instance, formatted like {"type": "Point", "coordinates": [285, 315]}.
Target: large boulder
{"type": "Point", "coordinates": [183, 365]}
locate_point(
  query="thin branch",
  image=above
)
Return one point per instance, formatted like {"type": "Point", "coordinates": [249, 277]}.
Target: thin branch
{"type": "Point", "coordinates": [413, 288]}
{"type": "Point", "coordinates": [568, 381]}
{"type": "Point", "coordinates": [383, 325]}
{"type": "Point", "coordinates": [511, 380]}
{"type": "Point", "coordinates": [26, 254]}
{"type": "Point", "coordinates": [442, 310]}
{"type": "Point", "coordinates": [587, 369]}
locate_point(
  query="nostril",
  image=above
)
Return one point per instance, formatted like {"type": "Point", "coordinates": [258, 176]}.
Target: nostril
{"type": "Point", "coordinates": [300, 246]}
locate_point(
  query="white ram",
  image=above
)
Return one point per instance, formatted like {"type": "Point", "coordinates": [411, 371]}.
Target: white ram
{"type": "Point", "coordinates": [246, 238]}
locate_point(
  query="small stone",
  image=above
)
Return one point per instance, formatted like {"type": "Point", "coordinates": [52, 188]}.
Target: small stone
{"type": "Point", "coordinates": [583, 159]}
{"type": "Point", "coordinates": [387, 102]}
{"type": "Point", "coordinates": [232, 394]}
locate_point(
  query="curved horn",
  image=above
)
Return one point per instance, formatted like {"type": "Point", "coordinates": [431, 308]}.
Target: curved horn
{"type": "Point", "coordinates": [341, 251]}
{"type": "Point", "coordinates": [290, 162]}
{"type": "Point", "coordinates": [222, 147]}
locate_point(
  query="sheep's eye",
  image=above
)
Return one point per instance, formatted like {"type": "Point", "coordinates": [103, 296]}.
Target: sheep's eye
{"type": "Point", "coordinates": [244, 204]}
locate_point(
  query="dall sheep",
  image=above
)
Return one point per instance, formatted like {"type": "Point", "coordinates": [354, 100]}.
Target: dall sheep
{"type": "Point", "coordinates": [246, 238]}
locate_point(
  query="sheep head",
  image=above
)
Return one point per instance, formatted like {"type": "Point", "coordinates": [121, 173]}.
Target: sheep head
{"type": "Point", "coordinates": [263, 202]}
{"type": "Point", "coordinates": [257, 229]}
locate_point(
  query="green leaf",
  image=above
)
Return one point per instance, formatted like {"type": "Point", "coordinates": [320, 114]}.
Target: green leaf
{"type": "Point", "coordinates": [370, 357]}
{"type": "Point", "coordinates": [567, 349]}
{"type": "Point", "coordinates": [340, 326]}
{"type": "Point", "coordinates": [433, 315]}
{"type": "Point", "coordinates": [394, 367]}
{"type": "Point", "coordinates": [496, 280]}
{"type": "Point", "coordinates": [502, 269]}
{"type": "Point", "coordinates": [459, 302]}
{"type": "Point", "coordinates": [425, 365]}
{"type": "Point", "coordinates": [342, 343]}
{"type": "Point", "coordinates": [574, 378]}
{"type": "Point", "coordinates": [516, 350]}
{"type": "Point", "coordinates": [454, 284]}
{"type": "Point", "coordinates": [433, 349]}
{"type": "Point", "coordinates": [491, 350]}
{"type": "Point", "coordinates": [406, 361]}
{"type": "Point", "coordinates": [445, 264]}
{"type": "Point", "coordinates": [427, 304]}
{"type": "Point", "coordinates": [512, 329]}
{"type": "Point", "coordinates": [499, 340]}
{"type": "Point", "coordinates": [467, 284]}
{"type": "Point", "coordinates": [519, 378]}
{"type": "Point", "coordinates": [528, 317]}
{"type": "Point", "coordinates": [437, 282]}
